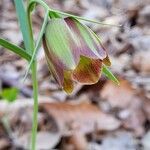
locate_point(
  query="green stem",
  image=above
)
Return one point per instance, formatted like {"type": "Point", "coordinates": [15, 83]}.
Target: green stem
{"type": "Point", "coordinates": [35, 107]}
{"type": "Point", "coordinates": [37, 43]}
{"type": "Point", "coordinates": [32, 2]}
{"type": "Point", "coordinates": [35, 88]}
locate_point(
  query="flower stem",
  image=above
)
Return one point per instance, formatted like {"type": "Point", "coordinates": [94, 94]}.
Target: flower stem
{"type": "Point", "coordinates": [35, 86]}
{"type": "Point", "coordinates": [46, 7]}
{"type": "Point", "coordinates": [38, 43]}
{"type": "Point", "coordinates": [35, 107]}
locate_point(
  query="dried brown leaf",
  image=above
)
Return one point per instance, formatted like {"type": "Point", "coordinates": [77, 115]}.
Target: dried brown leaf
{"type": "Point", "coordinates": [75, 142]}
{"type": "Point", "coordinates": [83, 117]}
{"type": "Point", "coordinates": [129, 102]}
{"type": "Point", "coordinates": [135, 118]}
{"type": "Point", "coordinates": [4, 143]}
{"type": "Point", "coordinates": [45, 140]}
{"type": "Point", "coordinates": [118, 96]}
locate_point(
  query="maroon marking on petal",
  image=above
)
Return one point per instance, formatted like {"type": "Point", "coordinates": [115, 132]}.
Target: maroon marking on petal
{"type": "Point", "coordinates": [99, 47]}
{"type": "Point", "coordinates": [107, 61]}
{"type": "Point", "coordinates": [68, 82]}
{"type": "Point", "coordinates": [58, 66]}
{"type": "Point", "coordinates": [88, 70]}
{"type": "Point", "coordinates": [83, 49]}
{"type": "Point", "coordinates": [75, 49]}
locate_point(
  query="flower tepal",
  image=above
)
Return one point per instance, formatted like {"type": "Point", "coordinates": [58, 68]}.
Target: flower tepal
{"type": "Point", "coordinates": [73, 52]}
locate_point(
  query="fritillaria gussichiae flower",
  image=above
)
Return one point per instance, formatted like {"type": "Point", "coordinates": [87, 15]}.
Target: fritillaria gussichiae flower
{"type": "Point", "coordinates": [73, 52]}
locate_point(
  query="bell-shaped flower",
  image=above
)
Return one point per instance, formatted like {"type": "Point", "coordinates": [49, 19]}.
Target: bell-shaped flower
{"type": "Point", "coordinates": [73, 52]}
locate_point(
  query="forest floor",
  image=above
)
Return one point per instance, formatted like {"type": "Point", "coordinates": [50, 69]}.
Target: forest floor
{"type": "Point", "coordinates": [103, 116]}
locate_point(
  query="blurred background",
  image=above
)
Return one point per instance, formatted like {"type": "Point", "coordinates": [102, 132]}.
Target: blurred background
{"type": "Point", "coordinates": [103, 116]}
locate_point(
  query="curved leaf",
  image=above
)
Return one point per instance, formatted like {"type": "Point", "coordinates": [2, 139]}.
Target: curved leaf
{"type": "Point", "coordinates": [16, 49]}
{"type": "Point", "coordinates": [109, 74]}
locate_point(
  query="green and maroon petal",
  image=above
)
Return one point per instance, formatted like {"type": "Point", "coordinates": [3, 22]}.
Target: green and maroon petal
{"type": "Point", "coordinates": [54, 64]}
{"type": "Point", "coordinates": [88, 70]}
{"type": "Point", "coordinates": [85, 42]}
{"type": "Point", "coordinates": [68, 82]}
{"type": "Point", "coordinates": [57, 38]}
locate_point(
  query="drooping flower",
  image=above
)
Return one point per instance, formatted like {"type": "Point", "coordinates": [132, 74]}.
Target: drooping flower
{"type": "Point", "coordinates": [73, 52]}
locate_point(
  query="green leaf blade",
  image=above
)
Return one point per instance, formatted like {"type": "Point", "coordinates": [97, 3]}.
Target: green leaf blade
{"type": "Point", "coordinates": [23, 21]}
{"type": "Point", "coordinates": [110, 75]}
{"type": "Point", "coordinates": [16, 49]}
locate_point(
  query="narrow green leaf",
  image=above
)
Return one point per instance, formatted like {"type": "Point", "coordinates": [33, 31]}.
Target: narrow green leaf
{"type": "Point", "coordinates": [18, 50]}
{"type": "Point", "coordinates": [22, 17]}
{"type": "Point", "coordinates": [109, 74]}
